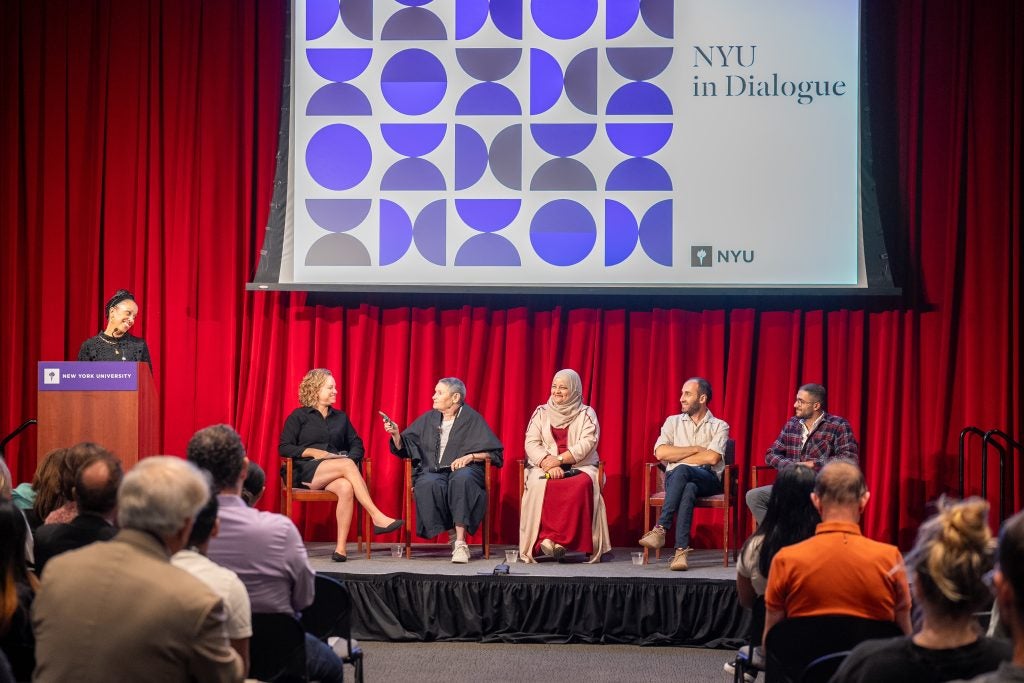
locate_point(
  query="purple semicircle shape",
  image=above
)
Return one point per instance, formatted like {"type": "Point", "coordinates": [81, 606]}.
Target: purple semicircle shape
{"type": "Point", "coordinates": [470, 156]}
{"type": "Point", "coordinates": [413, 139]}
{"type": "Point", "coordinates": [564, 19]}
{"type": "Point", "coordinates": [637, 174]}
{"type": "Point", "coordinates": [339, 64]}
{"type": "Point", "coordinates": [320, 17]}
{"type": "Point", "coordinates": [638, 98]}
{"type": "Point", "coordinates": [339, 99]}
{"type": "Point", "coordinates": [357, 16]}
{"type": "Point", "coordinates": [620, 232]}
{"type": "Point", "coordinates": [545, 81]}
{"type": "Point", "coordinates": [395, 232]}
{"type": "Point", "coordinates": [507, 16]}
{"type": "Point", "coordinates": [488, 215]}
{"type": "Point", "coordinates": [470, 17]}
{"type": "Point", "coordinates": [487, 250]}
{"type": "Point", "coordinates": [620, 15]}
{"type": "Point", "coordinates": [413, 81]}
{"type": "Point", "coordinates": [412, 174]}
{"type": "Point", "coordinates": [639, 63]}
{"type": "Point", "coordinates": [414, 3]}
{"type": "Point", "coordinates": [488, 99]}
{"type": "Point", "coordinates": [428, 232]}
{"type": "Point", "coordinates": [638, 139]}
{"type": "Point", "coordinates": [563, 139]}
{"type": "Point", "coordinates": [338, 215]}
{"type": "Point", "coordinates": [656, 232]}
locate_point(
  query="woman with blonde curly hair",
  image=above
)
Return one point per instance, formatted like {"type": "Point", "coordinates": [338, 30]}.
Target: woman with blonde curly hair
{"type": "Point", "coordinates": [954, 551]}
{"type": "Point", "coordinates": [326, 452]}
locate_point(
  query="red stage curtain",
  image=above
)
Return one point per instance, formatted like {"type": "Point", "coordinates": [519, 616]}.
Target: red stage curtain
{"type": "Point", "coordinates": [138, 150]}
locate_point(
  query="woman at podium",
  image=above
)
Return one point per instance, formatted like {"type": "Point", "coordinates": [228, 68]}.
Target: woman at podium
{"type": "Point", "coordinates": [115, 342]}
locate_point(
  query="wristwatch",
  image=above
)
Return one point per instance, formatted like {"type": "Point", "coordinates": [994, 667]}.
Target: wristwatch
{"type": "Point", "coordinates": [559, 459]}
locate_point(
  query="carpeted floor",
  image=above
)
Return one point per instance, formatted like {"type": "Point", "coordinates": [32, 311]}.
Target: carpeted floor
{"type": "Point", "coordinates": [457, 662]}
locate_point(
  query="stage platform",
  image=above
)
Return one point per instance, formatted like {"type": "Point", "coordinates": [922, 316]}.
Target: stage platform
{"type": "Point", "coordinates": [427, 598]}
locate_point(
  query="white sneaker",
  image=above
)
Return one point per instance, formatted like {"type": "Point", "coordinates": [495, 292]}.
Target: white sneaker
{"type": "Point", "coordinates": [461, 553]}
{"type": "Point", "coordinates": [730, 669]}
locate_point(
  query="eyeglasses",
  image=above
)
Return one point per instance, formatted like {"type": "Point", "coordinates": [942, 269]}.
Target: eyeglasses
{"type": "Point", "coordinates": [802, 402]}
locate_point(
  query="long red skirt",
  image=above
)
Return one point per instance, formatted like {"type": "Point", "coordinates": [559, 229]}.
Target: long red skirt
{"type": "Point", "coordinates": [567, 516]}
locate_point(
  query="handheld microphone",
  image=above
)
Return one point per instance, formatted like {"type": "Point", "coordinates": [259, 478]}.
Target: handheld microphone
{"type": "Point", "coordinates": [565, 473]}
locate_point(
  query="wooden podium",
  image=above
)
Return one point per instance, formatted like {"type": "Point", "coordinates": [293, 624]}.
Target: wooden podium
{"type": "Point", "coordinates": [113, 404]}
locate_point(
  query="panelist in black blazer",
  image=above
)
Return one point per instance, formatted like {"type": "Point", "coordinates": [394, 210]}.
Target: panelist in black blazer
{"type": "Point", "coordinates": [326, 451]}
{"type": "Point", "coordinates": [115, 342]}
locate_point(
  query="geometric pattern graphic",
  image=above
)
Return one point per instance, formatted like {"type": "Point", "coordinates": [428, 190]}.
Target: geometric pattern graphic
{"type": "Point", "coordinates": [467, 140]}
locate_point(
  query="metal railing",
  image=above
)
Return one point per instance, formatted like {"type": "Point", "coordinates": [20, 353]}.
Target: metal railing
{"type": "Point", "coordinates": [1006, 446]}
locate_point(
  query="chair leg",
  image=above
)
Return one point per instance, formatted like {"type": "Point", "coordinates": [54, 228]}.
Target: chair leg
{"type": "Point", "coordinates": [725, 538]}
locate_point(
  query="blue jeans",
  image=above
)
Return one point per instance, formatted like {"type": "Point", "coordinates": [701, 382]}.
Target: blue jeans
{"type": "Point", "coordinates": [322, 664]}
{"type": "Point", "coordinates": [683, 485]}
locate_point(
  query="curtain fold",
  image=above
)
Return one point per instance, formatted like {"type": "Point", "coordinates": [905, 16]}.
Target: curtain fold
{"type": "Point", "coordinates": [138, 151]}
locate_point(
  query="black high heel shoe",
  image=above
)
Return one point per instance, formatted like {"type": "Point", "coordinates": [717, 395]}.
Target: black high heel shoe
{"type": "Point", "coordinates": [338, 557]}
{"type": "Point", "coordinates": [397, 524]}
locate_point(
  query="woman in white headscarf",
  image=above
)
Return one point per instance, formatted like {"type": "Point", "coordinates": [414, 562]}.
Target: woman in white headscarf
{"type": "Point", "coordinates": [561, 457]}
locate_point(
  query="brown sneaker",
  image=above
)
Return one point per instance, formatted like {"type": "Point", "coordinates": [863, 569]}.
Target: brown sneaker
{"type": "Point", "coordinates": [654, 539]}
{"type": "Point", "coordinates": [679, 563]}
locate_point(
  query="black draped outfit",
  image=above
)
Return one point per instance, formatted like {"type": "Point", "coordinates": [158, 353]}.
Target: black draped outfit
{"type": "Point", "coordinates": [445, 498]}
{"type": "Point", "coordinates": [126, 347]}
{"type": "Point", "coordinates": [306, 428]}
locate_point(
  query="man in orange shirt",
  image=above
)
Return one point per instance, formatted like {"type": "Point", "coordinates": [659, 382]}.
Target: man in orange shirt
{"type": "Point", "coordinates": [838, 570]}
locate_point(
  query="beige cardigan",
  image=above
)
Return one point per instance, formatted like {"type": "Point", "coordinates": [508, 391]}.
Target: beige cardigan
{"type": "Point", "coordinates": [583, 436]}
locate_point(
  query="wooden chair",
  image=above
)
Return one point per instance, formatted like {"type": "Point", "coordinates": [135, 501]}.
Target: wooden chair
{"type": "Point", "coordinates": [521, 465]}
{"type": "Point", "coordinates": [654, 497]}
{"type": "Point", "coordinates": [292, 494]}
{"type": "Point", "coordinates": [410, 509]}
{"type": "Point", "coordinates": [277, 650]}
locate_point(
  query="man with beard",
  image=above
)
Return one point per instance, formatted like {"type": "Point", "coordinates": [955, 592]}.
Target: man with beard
{"type": "Point", "coordinates": [690, 447]}
{"type": "Point", "coordinates": [811, 438]}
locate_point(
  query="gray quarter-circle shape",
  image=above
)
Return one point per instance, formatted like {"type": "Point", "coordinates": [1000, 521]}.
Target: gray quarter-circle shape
{"type": "Point", "coordinates": [337, 249]}
{"type": "Point", "coordinates": [581, 81]}
{"type": "Point", "coordinates": [414, 23]}
{"type": "Point", "coordinates": [639, 63]}
{"type": "Point", "coordinates": [563, 173]}
{"type": "Point", "coordinates": [357, 16]}
{"type": "Point", "coordinates": [488, 63]}
{"type": "Point", "coordinates": [506, 157]}
{"type": "Point", "coordinates": [658, 16]}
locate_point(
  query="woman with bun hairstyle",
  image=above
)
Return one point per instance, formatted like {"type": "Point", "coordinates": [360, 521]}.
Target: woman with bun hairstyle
{"type": "Point", "coordinates": [954, 551]}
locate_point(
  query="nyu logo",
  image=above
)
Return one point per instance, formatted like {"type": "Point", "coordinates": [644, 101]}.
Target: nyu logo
{"type": "Point", "coordinates": [704, 256]}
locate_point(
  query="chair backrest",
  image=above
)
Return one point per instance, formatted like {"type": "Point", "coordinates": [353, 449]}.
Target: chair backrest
{"type": "Point", "coordinates": [277, 650]}
{"type": "Point", "coordinates": [792, 644]}
{"type": "Point", "coordinates": [331, 611]}
{"type": "Point", "coordinates": [823, 668]}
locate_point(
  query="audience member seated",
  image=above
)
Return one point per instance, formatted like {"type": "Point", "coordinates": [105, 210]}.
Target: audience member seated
{"type": "Point", "coordinates": [46, 485]}
{"type": "Point", "coordinates": [95, 496]}
{"type": "Point", "coordinates": [690, 446]}
{"type": "Point", "coordinates": [7, 493]}
{"type": "Point", "coordinates": [119, 611]}
{"type": "Point", "coordinates": [812, 437]}
{"type": "Point", "coordinates": [448, 446]}
{"type": "Point", "coordinates": [790, 518]}
{"type": "Point", "coordinates": [838, 571]}
{"type": "Point", "coordinates": [254, 485]}
{"type": "Point", "coordinates": [562, 439]}
{"type": "Point", "coordinates": [264, 549]}
{"type": "Point", "coordinates": [1008, 584]}
{"type": "Point", "coordinates": [73, 459]}
{"type": "Point", "coordinates": [326, 451]}
{"type": "Point", "coordinates": [17, 589]}
{"type": "Point", "coordinates": [222, 580]}
{"type": "Point", "coordinates": [954, 551]}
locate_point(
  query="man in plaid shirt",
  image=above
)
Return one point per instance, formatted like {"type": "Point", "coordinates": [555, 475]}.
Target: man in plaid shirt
{"type": "Point", "coordinates": [811, 437]}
